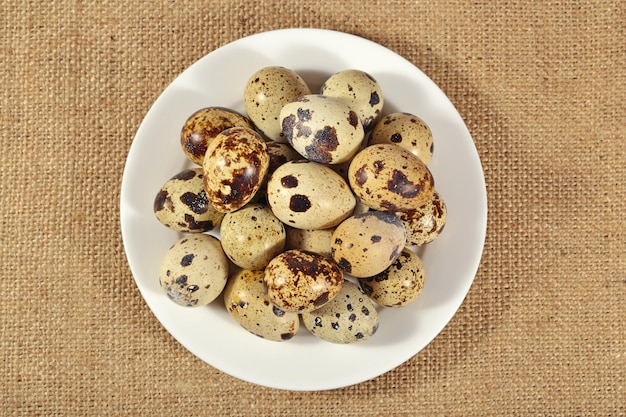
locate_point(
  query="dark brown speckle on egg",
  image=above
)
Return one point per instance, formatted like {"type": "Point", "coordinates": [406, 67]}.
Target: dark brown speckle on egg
{"type": "Point", "coordinates": [324, 143]}
{"type": "Point", "coordinates": [289, 181]}
{"type": "Point", "coordinates": [185, 175]}
{"type": "Point", "coordinates": [299, 203]}
{"type": "Point", "coordinates": [400, 184]}
{"type": "Point", "coordinates": [161, 199]}
{"type": "Point", "coordinates": [187, 259]}
{"type": "Point", "coordinates": [345, 265]}
{"type": "Point", "coordinates": [198, 203]}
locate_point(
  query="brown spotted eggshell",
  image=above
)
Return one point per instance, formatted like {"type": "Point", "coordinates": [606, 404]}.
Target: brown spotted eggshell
{"type": "Point", "coordinates": [265, 94]}
{"type": "Point", "coordinates": [203, 126]}
{"type": "Point", "coordinates": [309, 195]}
{"type": "Point", "coordinates": [247, 302]}
{"type": "Point", "coordinates": [300, 281]}
{"type": "Point", "coordinates": [193, 272]}
{"type": "Point", "coordinates": [386, 177]}
{"type": "Point", "coordinates": [400, 284]}
{"type": "Point", "coordinates": [407, 131]}
{"type": "Point", "coordinates": [350, 317]}
{"type": "Point", "coordinates": [425, 224]}
{"type": "Point", "coordinates": [182, 205]}
{"type": "Point", "coordinates": [366, 244]}
{"type": "Point", "coordinates": [359, 90]}
{"type": "Point", "coordinates": [235, 166]}
{"type": "Point", "coordinates": [252, 236]}
{"type": "Point", "coordinates": [322, 129]}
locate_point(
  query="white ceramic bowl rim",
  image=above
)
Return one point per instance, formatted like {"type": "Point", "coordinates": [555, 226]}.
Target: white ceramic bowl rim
{"type": "Point", "coordinates": [306, 363]}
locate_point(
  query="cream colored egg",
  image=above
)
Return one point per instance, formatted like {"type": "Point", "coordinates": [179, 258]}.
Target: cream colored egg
{"type": "Point", "coordinates": [235, 167]}
{"type": "Point", "coordinates": [407, 131]}
{"type": "Point", "coordinates": [193, 272]}
{"type": "Point", "coordinates": [349, 318]}
{"type": "Point", "coordinates": [400, 284]}
{"type": "Point", "coordinates": [387, 177]}
{"type": "Point", "coordinates": [252, 236]}
{"type": "Point", "coordinates": [300, 281]}
{"type": "Point", "coordinates": [322, 129]}
{"type": "Point", "coordinates": [247, 302]}
{"type": "Point", "coordinates": [308, 195]}
{"type": "Point", "coordinates": [359, 90]}
{"type": "Point", "coordinates": [182, 204]}
{"type": "Point", "coordinates": [265, 94]}
{"type": "Point", "coordinates": [366, 244]}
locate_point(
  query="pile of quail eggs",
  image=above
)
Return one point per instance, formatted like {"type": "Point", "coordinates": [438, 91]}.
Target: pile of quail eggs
{"type": "Point", "coordinates": [304, 211]}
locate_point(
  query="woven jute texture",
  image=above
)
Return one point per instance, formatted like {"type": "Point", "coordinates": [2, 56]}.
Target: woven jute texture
{"type": "Point", "coordinates": [541, 86]}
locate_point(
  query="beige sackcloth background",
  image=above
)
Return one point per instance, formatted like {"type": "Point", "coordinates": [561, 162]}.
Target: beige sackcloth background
{"type": "Point", "coordinates": [541, 86]}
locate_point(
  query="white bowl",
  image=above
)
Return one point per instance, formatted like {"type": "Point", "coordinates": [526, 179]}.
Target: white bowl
{"type": "Point", "coordinates": [305, 362]}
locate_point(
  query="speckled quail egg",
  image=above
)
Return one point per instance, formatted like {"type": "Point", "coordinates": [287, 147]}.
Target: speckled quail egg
{"type": "Point", "coordinates": [322, 129]}
{"type": "Point", "coordinates": [311, 240]}
{"type": "Point", "coordinates": [300, 281]}
{"type": "Point", "coordinates": [308, 195]}
{"type": "Point", "coordinates": [252, 236]}
{"type": "Point", "coordinates": [235, 166]}
{"type": "Point", "coordinates": [425, 224]}
{"type": "Point", "coordinates": [194, 271]}
{"type": "Point", "coordinates": [350, 317]}
{"type": "Point", "coordinates": [265, 94]}
{"type": "Point", "coordinates": [407, 131]}
{"type": "Point", "coordinates": [400, 284]}
{"type": "Point", "coordinates": [246, 301]}
{"type": "Point", "coordinates": [359, 90]}
{"type": "Point", "coordinates": [366, 244]}
{"type": "Point", "coordinates": [387, 177]}
{"type": "Point", "coordinates": [204, 125]}
{"type": "Point", "coordinates": [182, 205]}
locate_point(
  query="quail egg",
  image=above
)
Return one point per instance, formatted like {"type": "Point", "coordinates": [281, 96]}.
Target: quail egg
{"type": "Point", "coordinates": [407, 131]}
{"type": "Point", "coordinates": [387, 177]}
{"type": "Point", "coordinates": [194, 271]}
{"type": "Point", "coordinates": [322, 129]}
{"type": "Point", "coordinates": [301, 281]}
{"type": "Point", "coordinates": [359, 90]}
{"type": "Point", "coordinates": [425, 224]}
{"type": "Point", "coordinates": [309, 195]}
{"type": "Point", "coordinates": [182, 205]}
{"type": "Point", "coordinates": [366, 244]}
{"type": "Point", "coordinates": [252, 236]}
{"type": "Point", "coordinates": [400, 284]}
{"type": "Point", "coordinates": [235, 167]}
{"type": "Point", "coordinates": [265, 94]}
{"type": "Point", "coordinates": [350, 317]}
{"type": "Point", "coordinates": [203, 126]}
{"type": "Point", "coordinates": [246, 301]}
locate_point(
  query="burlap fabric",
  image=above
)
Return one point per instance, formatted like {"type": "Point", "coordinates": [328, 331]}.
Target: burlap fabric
{"type": "Point", "coordinates": [541, 86]}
